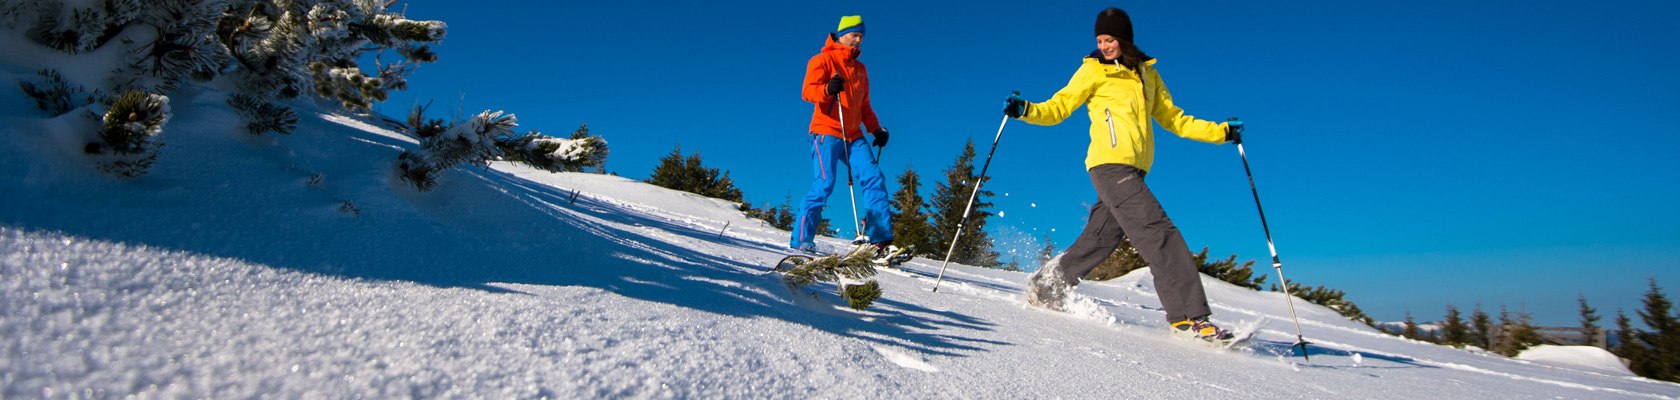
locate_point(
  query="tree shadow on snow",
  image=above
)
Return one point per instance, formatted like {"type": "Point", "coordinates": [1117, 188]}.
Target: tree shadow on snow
{"type": "Point", "coordinates": [632, 254]}
{"type": "Point", "coordinates": [455, 236]}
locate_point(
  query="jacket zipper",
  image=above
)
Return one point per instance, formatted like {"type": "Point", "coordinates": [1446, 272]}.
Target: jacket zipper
{"type": "Point", "coordinates": [1113, 141]}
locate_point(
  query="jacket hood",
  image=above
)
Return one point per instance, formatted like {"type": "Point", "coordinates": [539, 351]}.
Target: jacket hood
{"type": "Point", "coordinates": [844, 52]}
{"type": "Point", "coordinates": [1096, 56]}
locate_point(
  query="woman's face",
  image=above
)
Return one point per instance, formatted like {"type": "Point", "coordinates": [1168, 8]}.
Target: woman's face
{"type": "Point", "coordinates": [1109, 46]}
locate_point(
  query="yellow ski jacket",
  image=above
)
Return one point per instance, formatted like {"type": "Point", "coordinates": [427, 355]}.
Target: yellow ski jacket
{"type": "Point", "coordinates": [1120, 104]}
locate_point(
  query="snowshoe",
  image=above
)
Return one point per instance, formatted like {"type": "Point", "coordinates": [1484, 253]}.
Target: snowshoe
{"type": "Point", "coordinates": [890, 256]}
{"type": "Point", "coordinates": [1046, 289]}
{"type": "Point", "coordinates": [1200, 329]}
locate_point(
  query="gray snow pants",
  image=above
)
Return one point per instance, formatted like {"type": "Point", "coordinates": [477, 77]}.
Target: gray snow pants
{"type": "Point", "coordinates": [1125, 206]}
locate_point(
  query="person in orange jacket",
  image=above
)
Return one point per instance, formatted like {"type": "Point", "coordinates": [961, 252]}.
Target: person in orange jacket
{"type": "Point", "coordinates": [837, 85]}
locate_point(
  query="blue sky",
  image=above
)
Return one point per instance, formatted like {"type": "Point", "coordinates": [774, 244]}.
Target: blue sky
{"type": "Point", "coordinates": [1414, 155]}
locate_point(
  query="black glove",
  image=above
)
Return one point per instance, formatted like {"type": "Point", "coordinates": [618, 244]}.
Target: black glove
{"type": "Point", "coordinates": [1233, 130]}
{"type": "Point", "coordinates": [880, 137]}
{"type": "Point", "coordinates": [836, 84]}
{"type": "Point", "coordinates": [1017, 106]}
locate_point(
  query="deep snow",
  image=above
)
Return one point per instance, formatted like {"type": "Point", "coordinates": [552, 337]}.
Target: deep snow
{"type": "Point", "coordinates": [299, 266]}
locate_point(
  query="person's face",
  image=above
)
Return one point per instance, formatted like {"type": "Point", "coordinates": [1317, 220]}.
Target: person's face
{"type": "Point", "coordinates": [853, 39]}
{"type": "Point", "coordinates": [1109, 46]}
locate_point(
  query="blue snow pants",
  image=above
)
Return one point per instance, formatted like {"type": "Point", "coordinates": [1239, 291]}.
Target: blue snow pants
{"type": "Point", "coordinates": [827, 153]}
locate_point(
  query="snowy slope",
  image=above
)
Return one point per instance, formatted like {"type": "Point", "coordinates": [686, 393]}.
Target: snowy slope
{"type": "Point", "coordinates": [300, 267]}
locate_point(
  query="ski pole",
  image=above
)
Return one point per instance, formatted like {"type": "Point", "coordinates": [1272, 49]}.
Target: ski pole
{"type": "Point", "coordinates": [970, 206]}
{"type": "Point", "coordinates": [846, 151]}
{"type": "Point", "coordinates": [1300, 339]}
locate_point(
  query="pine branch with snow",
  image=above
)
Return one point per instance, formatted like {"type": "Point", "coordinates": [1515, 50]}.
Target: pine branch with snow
{"type": "Point", "coordinates": [348, 84]}
{"type": "Point", "coordinates": [581, 153]}
{"type": "Point", "coordinates": [128, 142]}
{"type": "Point", "coordinates": [182, 45]}
{"type": "Point", "coordinates": [472, 143]}
{"type": "Point", "coordinates": [857, 265]}
{"type": "Point", "coordinates": [74, 27]}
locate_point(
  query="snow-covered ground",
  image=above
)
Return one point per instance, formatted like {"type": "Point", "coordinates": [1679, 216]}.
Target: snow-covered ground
{"type": "Point", "coordinates": [300, 267]}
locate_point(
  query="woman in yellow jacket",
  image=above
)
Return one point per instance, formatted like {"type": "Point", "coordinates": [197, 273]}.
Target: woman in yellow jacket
{"type": "Point", "coordinates": [1122, 93]}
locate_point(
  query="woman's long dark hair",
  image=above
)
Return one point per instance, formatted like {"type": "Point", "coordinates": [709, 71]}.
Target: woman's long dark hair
{"type": "Point", "coordinates": [1131, 56]}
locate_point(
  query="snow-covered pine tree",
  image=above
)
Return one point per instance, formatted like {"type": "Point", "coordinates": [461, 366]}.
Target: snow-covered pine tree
{"type": "Point", "coordinates": [595, 156]}
{"type": "Point", "coordinates": [950, 200]}
{"type": "Point", "coordinates": [909, 215]}
{"type": "Point", "coordinates": [177, 42]}
{"type": "Point", "coordinates": [581, 153]}
{"type": "Point", "coordinates": [127, 144]}
{"type": "Point", "coordinates": [473, 143]}
{"type": "Point", "coordinates": [287, 48]}
{"type": "Point", "coordinates": [73, 27]}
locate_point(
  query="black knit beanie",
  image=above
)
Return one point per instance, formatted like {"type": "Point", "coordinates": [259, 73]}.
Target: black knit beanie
{"type": "Point", "coordinates": [1114, 22]}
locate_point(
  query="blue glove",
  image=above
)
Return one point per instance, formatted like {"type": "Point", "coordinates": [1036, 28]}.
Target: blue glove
{"type": "Point", "coordinates": [1016, 107]}
{"type": "Point", "coordinates": [880, 137]}
{"type": "Point", "coordinates": [1233, 130]}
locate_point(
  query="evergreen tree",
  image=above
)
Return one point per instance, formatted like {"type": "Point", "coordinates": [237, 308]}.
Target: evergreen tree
{"type": "Point", "coordinates": [1501, 342]}
{"type": "Point", "coordinates": [597, 156]}
{"type": "Point", "coordinates": [1227, 270]}
{"type": "Point", "coordinates": [909, 216]}
{"type": "Point", "coordinates": [581, 153]}
{"type": "Point", "coordinates": [1664, 358]}
{"type": "Point", "coordinates": [950, 199]}
{"type": "Point", "coordinates": [1453, 330]}
{"type": "Point", "coordinates": [470, 143]}
{"type": "Point", "coordinates": [1410, 331]}
{"type": "Point", "coordinates": [1524, 335]}
{"type": "Point", "coordinates": [266, 50]}
{"type": "Point", "coordinates": [1630, 345]}
{"type": "Point", "coordinates": [1513, 335]}
{"type": "Point", "coordinates": [1332, 299]}
{"type": "Point", "coordinates": [784, 215]}
{"type": "Point", "coordinates": [690, 175]}
{"type": "Point", "coordinates": [1123, 260]}
{"type": "Point", "coordinates": [1589, 322]}
{"type": "Point", "coordinates": [1481, 328]}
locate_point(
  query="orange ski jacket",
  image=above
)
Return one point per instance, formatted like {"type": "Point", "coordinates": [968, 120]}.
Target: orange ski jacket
{"type": "Point", "coordinates": [853, 101]}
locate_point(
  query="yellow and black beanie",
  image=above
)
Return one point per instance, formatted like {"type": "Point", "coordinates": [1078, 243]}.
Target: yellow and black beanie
{"type": "Point", "coordinates": [849, 24]}
{"type": "Point", "coordinates": [1113, 22]}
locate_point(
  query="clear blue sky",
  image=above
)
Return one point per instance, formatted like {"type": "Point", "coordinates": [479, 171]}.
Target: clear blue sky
{"type": "Point", "coordinates": [1512, 153]}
